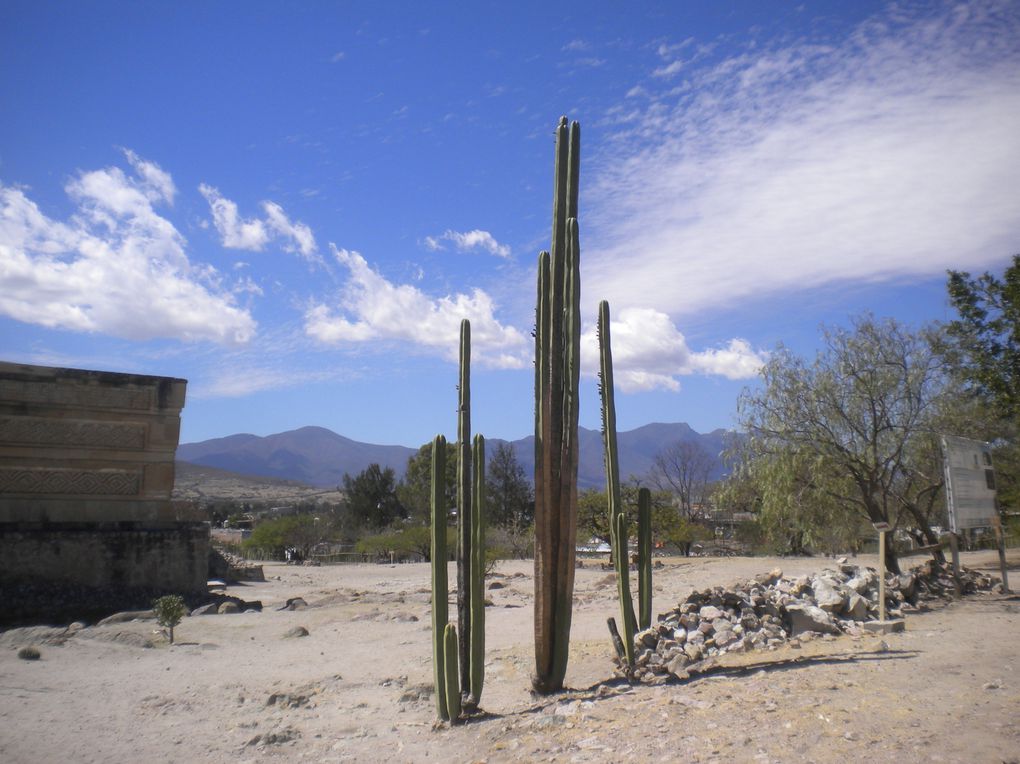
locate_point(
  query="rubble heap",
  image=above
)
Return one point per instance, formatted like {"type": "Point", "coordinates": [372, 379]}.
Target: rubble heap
{"type": "Point", "coordinates": [227, 566]}
{"type": "Point", "coordinates": [770, 610]}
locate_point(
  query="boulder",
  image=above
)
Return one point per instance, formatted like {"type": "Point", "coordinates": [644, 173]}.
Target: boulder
{"type": "Point", "coordinates": [710, 613]}
{"type": "Point", "coordinates": [856, 607]}
{"type": "Point", "coordinates": [810, 618]}
{"type": "Point", "coordinates": [827, 597]}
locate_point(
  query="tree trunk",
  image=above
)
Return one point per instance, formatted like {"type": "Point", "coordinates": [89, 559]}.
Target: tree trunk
{"type": "Point", "coordinates": [926, 531]}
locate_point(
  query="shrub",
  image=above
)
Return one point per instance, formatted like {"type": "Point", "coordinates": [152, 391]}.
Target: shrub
{"type": "Point", "coordinates": [169, 611]}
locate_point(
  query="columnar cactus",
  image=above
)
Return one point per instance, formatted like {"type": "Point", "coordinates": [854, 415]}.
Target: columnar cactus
{"type": "Point", "coordinates": [464, 514]}
{"type": "Point", "coordinates": [477, 663]}
{"type": "Point", "coordinates": [644, 558]}
{"type": "Point", "coordinates": [557, 375]}
{"type": "Point", "coordinates": [617, 513]}
{"type": "Point", "coordinates": [440, 591]}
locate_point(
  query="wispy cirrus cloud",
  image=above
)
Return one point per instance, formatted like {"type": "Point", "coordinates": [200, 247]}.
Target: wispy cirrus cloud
{"type": "Point", "coordinates": [650, 353]}
{"type": "Point", "coordinates": [371, 309]}
{"type": "Point", "coordinates": [467, 241]}
{"type": "Point", "coordinates": [889, 154]}
{"type": "Point", "coordinates": [116, 266]}
{"type": "Point", "coordinates": [254, 234]}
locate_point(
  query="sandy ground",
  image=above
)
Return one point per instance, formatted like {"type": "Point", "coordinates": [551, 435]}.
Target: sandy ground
{"type": "Point", "coordinates": [357, 688]}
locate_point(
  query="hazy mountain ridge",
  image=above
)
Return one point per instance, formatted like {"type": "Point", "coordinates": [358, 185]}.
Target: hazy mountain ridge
{"type": "Point", "coordinates": [320, 457]}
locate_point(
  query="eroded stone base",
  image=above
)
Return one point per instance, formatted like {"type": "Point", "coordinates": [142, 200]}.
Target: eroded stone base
{"type": "Point", "coordinates": [64, 571]}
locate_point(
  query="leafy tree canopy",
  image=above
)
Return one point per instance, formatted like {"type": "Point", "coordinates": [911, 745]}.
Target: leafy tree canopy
{"type": "Point", "coordinates": [372, 497]}
{"type": "Point", "coordinates": [852, 435]}
{"type": "Point", "coordinates": [987, 334]}
{"type": "Point", "coordinates": [414, 490]}
{"type": "Point", "coordinates": [510, 497]}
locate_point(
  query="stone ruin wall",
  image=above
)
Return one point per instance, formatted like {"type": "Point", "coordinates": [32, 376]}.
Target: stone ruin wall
{"type": "Point", "coordinates": [86, 473]}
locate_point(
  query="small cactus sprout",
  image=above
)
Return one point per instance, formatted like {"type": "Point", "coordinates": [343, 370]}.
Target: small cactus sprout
{"type": "Point", "coordinates": [169, 610]}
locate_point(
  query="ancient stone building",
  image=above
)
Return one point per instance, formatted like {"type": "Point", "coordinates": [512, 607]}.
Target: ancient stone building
{"type": "Point", "coordinates": [86, 472]}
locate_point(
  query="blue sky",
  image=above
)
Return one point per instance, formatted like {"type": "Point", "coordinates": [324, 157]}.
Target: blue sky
{"type": "Point", "coordinates": [293, 205]}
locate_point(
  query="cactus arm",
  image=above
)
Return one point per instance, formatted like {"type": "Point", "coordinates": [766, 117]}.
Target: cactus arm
{"type": "Point", "coordinates": [477, 677]}
{"type": "Point", "coordinates": [617, 513]}
{"type": "Point", "coordinates": [452, 683]}
{"type": "Point", "coordinates": [644, 558]}
{"type": "Point", "coordinates": [440, 592]}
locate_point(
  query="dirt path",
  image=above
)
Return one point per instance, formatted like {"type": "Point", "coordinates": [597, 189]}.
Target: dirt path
{"type": "Point", "coordinates": [357, 688]}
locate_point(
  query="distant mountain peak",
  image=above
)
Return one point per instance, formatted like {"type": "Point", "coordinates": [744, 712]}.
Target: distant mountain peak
{"type": "Point", "coordinates": [318, 456]}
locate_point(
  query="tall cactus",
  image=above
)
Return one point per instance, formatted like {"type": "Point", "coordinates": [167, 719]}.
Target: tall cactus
{"type": "Point", "coordinates": [644, 510]}
{"type": "Point", "coordinates": [464, 514]}
{"type": "Point", "coordinates": [477, 664]}
{"type": "Point", "coordinates": [557, 375]}
{"type": "Point", "coordinates": [440, 589]}
{"type": "Point", "coordinates": [617, 513]}
{"type": "Point", "coordinates": [470, 538]}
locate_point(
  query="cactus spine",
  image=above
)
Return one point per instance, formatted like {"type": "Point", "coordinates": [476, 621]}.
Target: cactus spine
{"type": "Point", "coordinates": [617, 513]}
{"type": "Point", "coordinates": [557, 374]}
{"type": "Point", "coordinates": [440, 591]}
{"type": "Point", "coordinates": [644, 504]}
{"type": "Point", "coordinates": [477, 667]}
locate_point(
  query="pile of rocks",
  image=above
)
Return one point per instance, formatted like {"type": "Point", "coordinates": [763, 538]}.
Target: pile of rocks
{"type": "Point", "coordinates": [228, 566]}
{"type": "Point", "coordinates": [770, 610]}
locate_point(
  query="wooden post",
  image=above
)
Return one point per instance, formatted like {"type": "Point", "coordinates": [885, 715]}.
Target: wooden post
{"type": "Point", "coordinates": [1000, 541]}
{"type": "Point", "coordinates": [954, 547]}
{"type": "Point", "coordinates": [881, 576]}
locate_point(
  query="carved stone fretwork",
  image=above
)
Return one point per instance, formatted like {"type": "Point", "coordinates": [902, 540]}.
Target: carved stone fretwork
{"type": "Point", "coordinates": [40, 431]}
{"type": "Point", "coordinates": [55, 481]}
{"type": "Point", "coordinates": [91, 396]}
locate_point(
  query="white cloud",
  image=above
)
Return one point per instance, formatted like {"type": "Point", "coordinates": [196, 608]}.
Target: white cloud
{"type": "Point", "coordinates": [254, 234]}
{"type": "Point", "coordinates": [649, 353]}
{"type": "Point", "coordinates": [235, 233]}
{"type": "Point", "coordinates": [372, 310]}
{"type": "Point", "coordinates": [889, 155]}
{"type": "Point", "coordinates": [303, 241]}
{"type": "Point", "coordinates": [669, 69]}
{"type": "Point", "coordinates": [157, 182]}
{"type": "Point", "coordinates": [468, 241]}
{"type": "Point", "coordinates": [116, 267]}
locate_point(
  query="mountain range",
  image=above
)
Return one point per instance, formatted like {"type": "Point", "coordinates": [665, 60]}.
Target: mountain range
{"type": "Point", "coordinates": [320, 457]}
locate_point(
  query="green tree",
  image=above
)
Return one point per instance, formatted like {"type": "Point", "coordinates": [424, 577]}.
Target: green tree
{"type": "Point", "coordinates": [510, 498]}
{"type": "Point", "coordinates": [414, 489]}
{"type": "Point", "coordinates": [372, 497]}
{"type": "Point", "coordinates": [412, 540]}
{"type": "Point", "coordinates": [851, 433]}
{"type": "Point", "coordinates": [277, 534]}
{"type": "Point", "coordinates": [592, 516]}
{"type": "Point", "coordinates": [987, 334]}
{"type": "Point", "coordinates": [984, 347]}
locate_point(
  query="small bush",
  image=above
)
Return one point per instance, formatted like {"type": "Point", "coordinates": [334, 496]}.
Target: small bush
{"type": "Point", "coordinates": [169, 610]}
{"type": "Point", "coordinates": [29, 654]}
